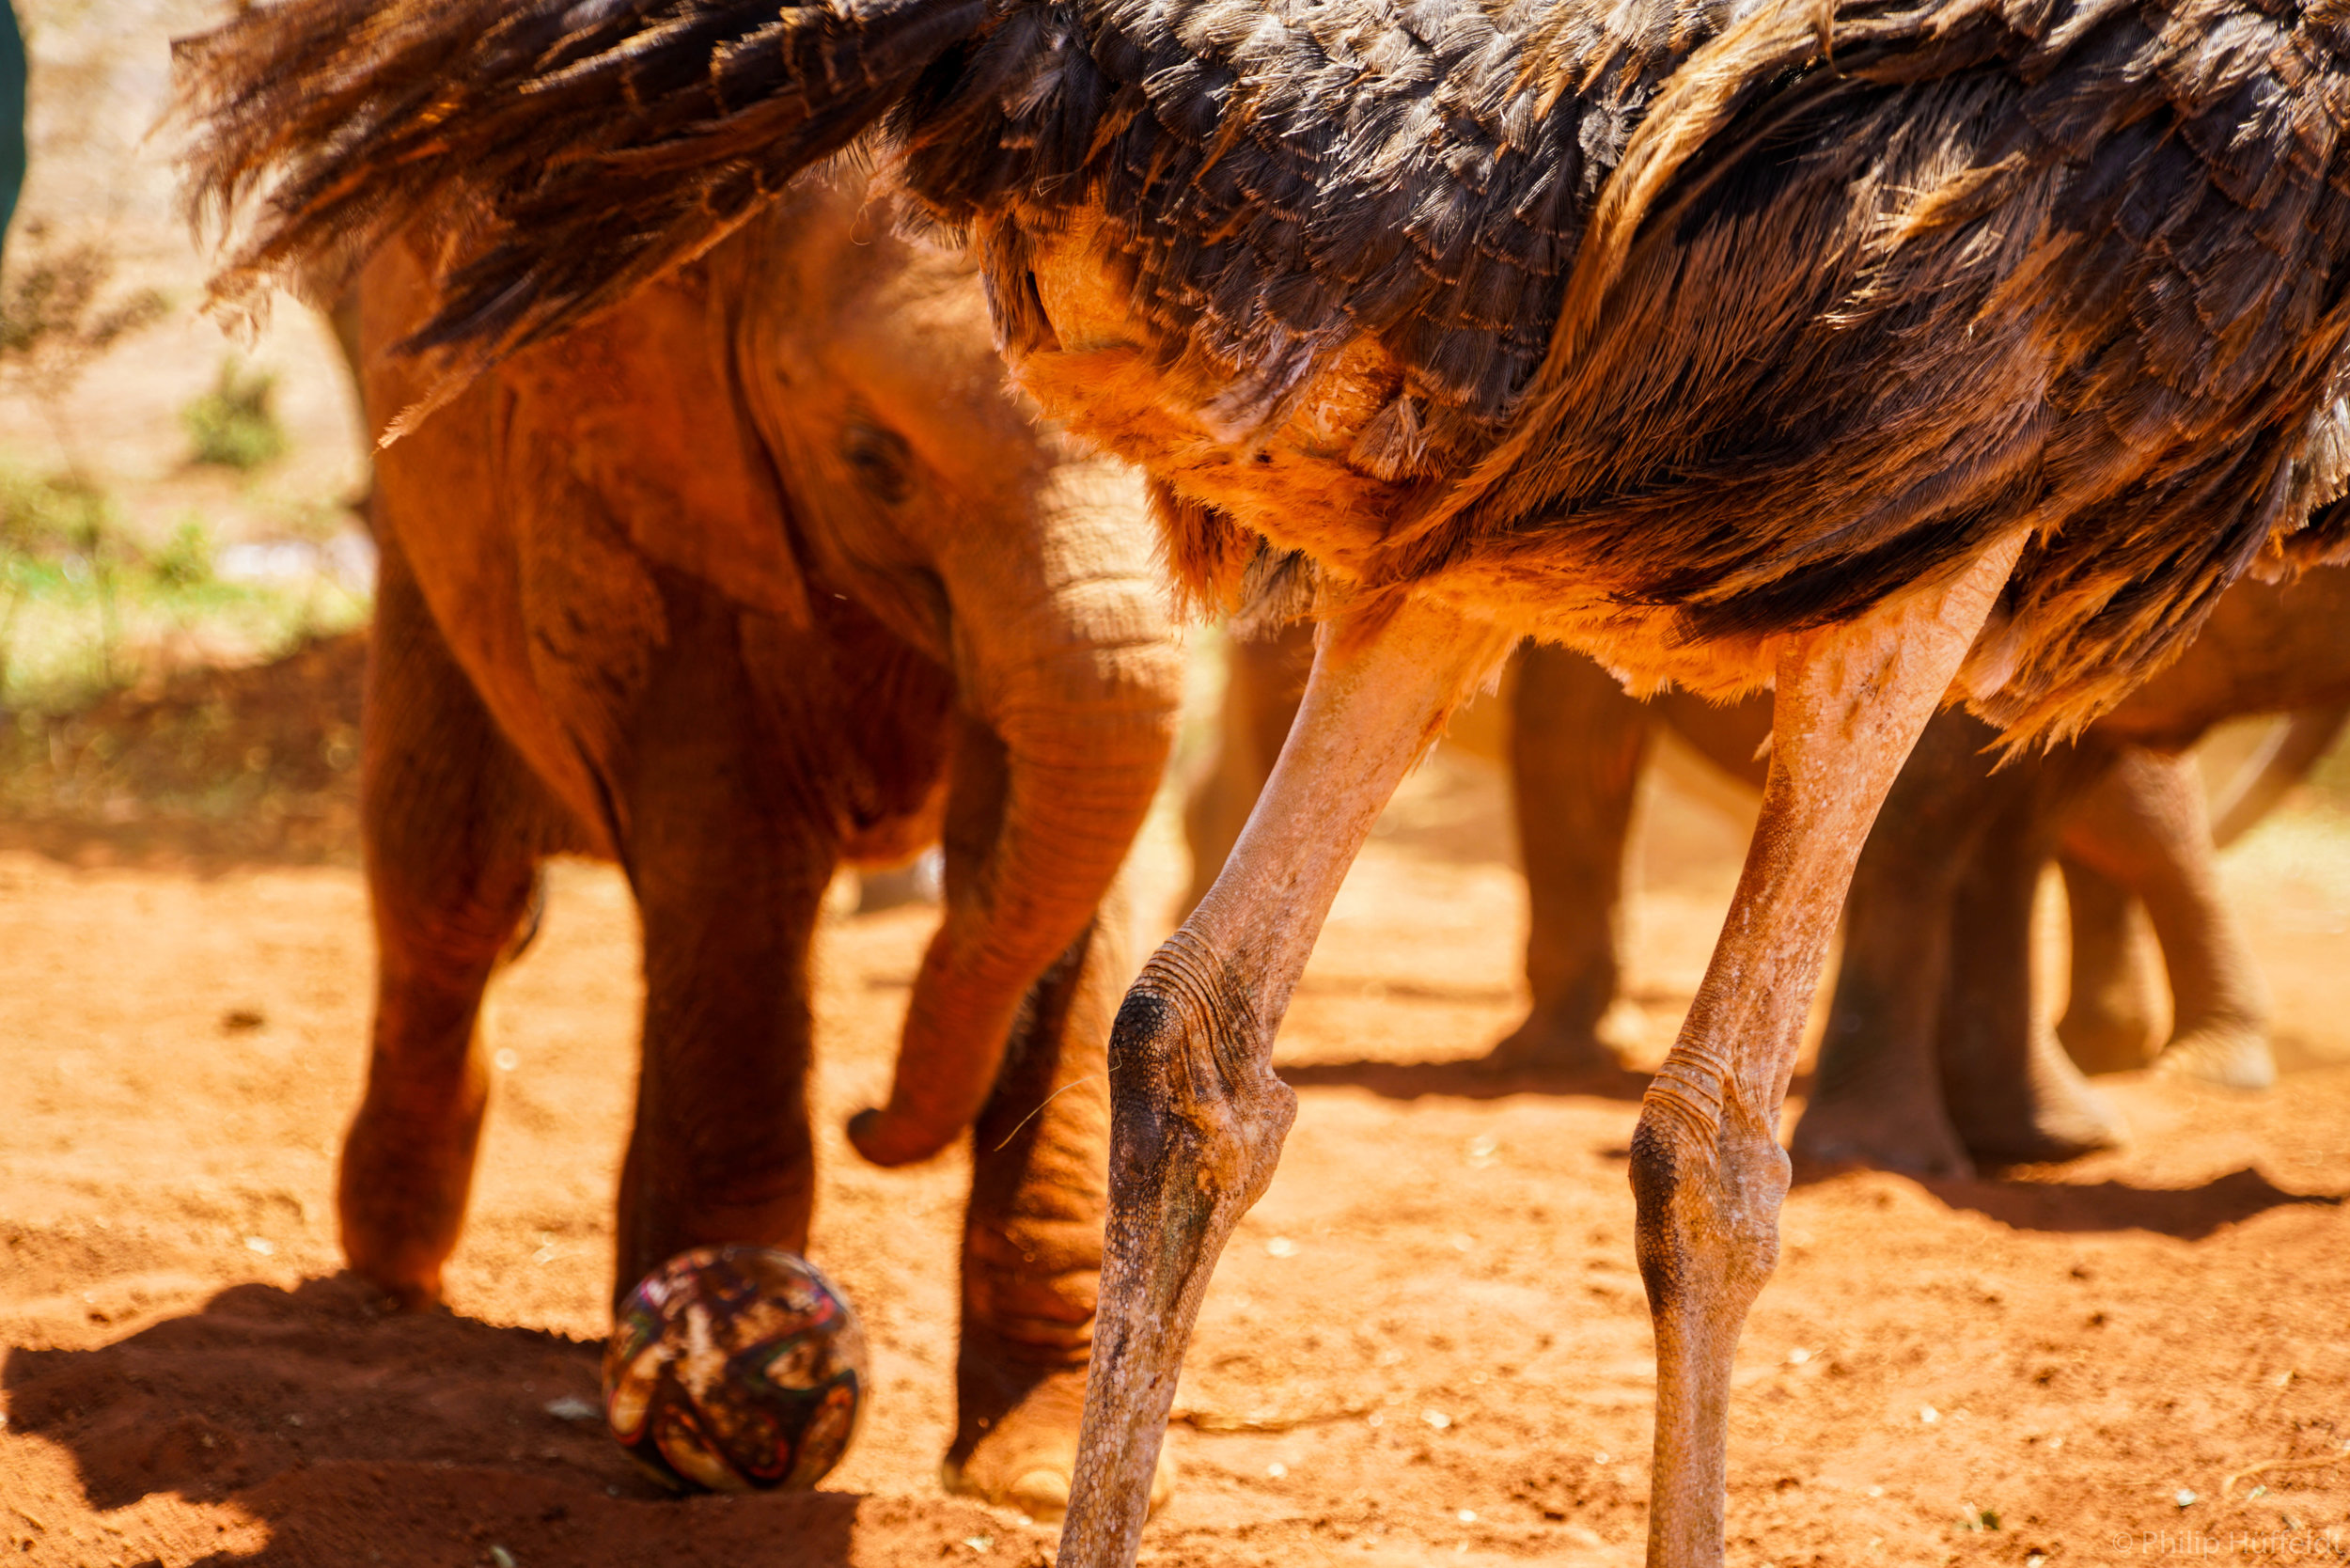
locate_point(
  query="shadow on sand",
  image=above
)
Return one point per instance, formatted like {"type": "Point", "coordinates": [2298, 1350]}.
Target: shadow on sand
{"type": "Point", "coordinates": [2189, 1213]}
{"type": "Point", "coordinates": [2024, 1200]}
{"type": "Point", "coordinates": [354, 1436]}
{"type": "Point", "coordinates": [1473, 1079]}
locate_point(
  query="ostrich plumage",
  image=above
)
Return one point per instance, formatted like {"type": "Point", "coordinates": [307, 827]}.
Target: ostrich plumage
{"type": "Point", "coordinates": [1658, 327]}
{"type": "Point", "coordinates": [1874, 348]}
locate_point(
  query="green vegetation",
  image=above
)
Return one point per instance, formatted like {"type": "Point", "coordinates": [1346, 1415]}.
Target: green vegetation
{"type": "Point", "coordinates": [85, 608]}
{"type": "Point", "coordinates": [86, 603]}
{"type": "Point", "coordinates": [233, 425]}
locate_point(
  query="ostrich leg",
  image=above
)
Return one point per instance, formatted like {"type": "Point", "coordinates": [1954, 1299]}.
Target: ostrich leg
{"type": "Point", "coordinates": [1197, 1115]}
{"type": "Point", "coordinates": [1707, 1171]}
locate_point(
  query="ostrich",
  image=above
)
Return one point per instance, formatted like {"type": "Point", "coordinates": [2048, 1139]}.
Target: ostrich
{"type": "Point", "coordinates": [1885, 352]}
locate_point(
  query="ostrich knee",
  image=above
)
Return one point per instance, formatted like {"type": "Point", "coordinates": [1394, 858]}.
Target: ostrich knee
{"type": "Point", "coordinates": [1197, 1124]}
{"type": "Point", "coordinates": [1707, 1238]}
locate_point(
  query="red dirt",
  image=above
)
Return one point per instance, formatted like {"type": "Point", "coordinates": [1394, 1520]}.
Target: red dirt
{"type": "Point", "coordinates": [1426, 1346]}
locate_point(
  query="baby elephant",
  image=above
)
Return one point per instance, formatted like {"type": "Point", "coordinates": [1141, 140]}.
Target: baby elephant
{"type": "Point", "coordinates": [762, 573]}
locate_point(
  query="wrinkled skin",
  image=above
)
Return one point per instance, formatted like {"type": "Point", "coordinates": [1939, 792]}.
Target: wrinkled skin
{"type": "Point", "coordinates": [2130, 828]}
{"type": "Point", "coordinates": [760, 575]}
{"type": "Point", "coordinates": [1899, 1086]}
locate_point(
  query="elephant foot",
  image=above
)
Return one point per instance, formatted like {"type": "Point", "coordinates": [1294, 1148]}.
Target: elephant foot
{"type": "Point", "coordinates": [2233, 1053]}
{"type": "Point", "coordinates": [2105, 1039]}
{"type": "Point", "coordinates": [1025, 1455]}
{"type": "Point", "coordinates": [2044, 1114]}
{"type": "Point", "coordinates": [405, 1296]}
{"type": "Point", "coordinates": [1906, 1132]}
{"type": "Point", "coordinates": [1556, 1045]}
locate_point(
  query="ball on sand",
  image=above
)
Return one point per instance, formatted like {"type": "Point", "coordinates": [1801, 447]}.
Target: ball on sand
{"type": "Point", "coordinates": [735, 1369]}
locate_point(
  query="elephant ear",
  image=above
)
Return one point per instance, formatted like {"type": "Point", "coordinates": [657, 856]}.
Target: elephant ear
{"type": "Point", "coordinates": [646, 411]}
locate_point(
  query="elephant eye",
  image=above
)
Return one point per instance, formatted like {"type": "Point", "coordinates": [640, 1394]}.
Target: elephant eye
{"type": "Point", "coordinates": [881, 459]}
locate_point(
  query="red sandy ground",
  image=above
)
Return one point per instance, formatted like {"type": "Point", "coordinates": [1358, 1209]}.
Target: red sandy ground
{"type": "Point", "coordinates": [1427, 1346]}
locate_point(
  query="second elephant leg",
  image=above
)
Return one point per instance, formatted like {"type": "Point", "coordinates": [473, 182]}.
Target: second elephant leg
{"type": "Point", "coordinates": [1576, 746]}
{"type": "Point", "coordinates": [2013, 1095]}
{"type": "Point", "coordinates": [448, 818]}
{"type": "Point", "coordinates": [729, 884]}
{"type": "Point", "coordinates": [2113, 1007]}
{"type": "Point", "coordinates": [1039, 1186]}
{"type": "Point", "coordinates": [1032, 1238]}
{"type": "Point", "coordinates": [2145, 825]}
{"type": "Point", "coordinates": [1876, 1096]}
{"type": "Point", "coordinates": [1264, 678]}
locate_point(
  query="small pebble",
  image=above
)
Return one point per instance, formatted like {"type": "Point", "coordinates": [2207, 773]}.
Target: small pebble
{"type": "Point", "coordinates": [1436, 1419]}
{"type": "Point", "coordinates": [1467, 1515]}
{"type": "Point", "coordinates": [2184, 1497]}
{"type": "Point", "coordinates": [1277, 1469]}
{"type": "Point", "coordinates": [1280, 1246]}
{"type": "Point", "coordinates": [570, 1407]}
{"type": "Point", "coordinates": [256, 1244]}
{"type": "Point", "coordinates": [503, 1558]}
{"type": "Point", "coordinates": [1928, 1414]}
{"type": "Point", "coordinates": [506, 1061]}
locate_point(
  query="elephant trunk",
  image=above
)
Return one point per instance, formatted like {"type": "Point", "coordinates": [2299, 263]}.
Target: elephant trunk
{"type": "Point", "coordinates": [1070, 681]}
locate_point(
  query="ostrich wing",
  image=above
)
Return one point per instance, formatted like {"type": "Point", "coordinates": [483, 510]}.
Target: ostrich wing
{"type": "Point", "coordinates": [1855, 304]}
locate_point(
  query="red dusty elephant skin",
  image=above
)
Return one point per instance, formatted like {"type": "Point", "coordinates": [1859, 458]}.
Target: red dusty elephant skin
{"type": "Point", "coordinates": [761, 574]}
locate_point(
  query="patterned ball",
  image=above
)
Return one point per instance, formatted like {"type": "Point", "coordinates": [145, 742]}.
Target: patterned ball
{"type": "Point", "coordinates": [735, 1369]}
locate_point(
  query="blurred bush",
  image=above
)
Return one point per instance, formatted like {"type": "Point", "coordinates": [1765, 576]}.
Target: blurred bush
{"type": "Point", "coordinates": [233, 425]}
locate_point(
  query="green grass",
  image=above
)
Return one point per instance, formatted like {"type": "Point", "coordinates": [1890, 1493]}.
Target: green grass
{"type": "Point", "coordinates": [83, 609]}
{"type": "Point", "coordinates": [234, 426]}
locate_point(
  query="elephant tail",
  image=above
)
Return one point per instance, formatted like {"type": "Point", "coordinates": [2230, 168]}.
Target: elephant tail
{"type": "Point", "coordinates": [570, 149]}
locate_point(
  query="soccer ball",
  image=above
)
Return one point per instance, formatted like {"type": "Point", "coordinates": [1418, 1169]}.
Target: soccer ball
{"type": "Point", "coordinates": [735, 1369]}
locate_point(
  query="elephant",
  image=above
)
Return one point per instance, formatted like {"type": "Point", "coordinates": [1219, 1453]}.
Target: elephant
{"type": "Point", "coordinates": [1574, 743]}
{"type": "Point", "coordinates": [1932, 1059]}
{"type": "Point", "coordinates": [762, 572]}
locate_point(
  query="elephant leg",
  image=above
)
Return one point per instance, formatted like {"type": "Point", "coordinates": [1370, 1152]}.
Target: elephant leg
{"type": "Point", "coordinates": [1708, 1175]}
{"type": "Point", "coordinates": [1039, 1185]}
{"type": "Point", "coordinates": [2146, 826]}
{"type": "Point", "coordinates": [445, 820]}
{"type": "Point", "coordinates": [1032, 1239]}
{"type": "Point", "coordinates": [729, 864]}
{"type": "Point", "coordinates": [2013, 1095]}
{"type": "Point", "coordinates": [2114, 1002]}
{"type": "Point", "coordinates": [1876, 1095]}
{"type": "Point", "coordinates": [1265, 679]}
{"type": "Point", "coordinates": [1576, 744]}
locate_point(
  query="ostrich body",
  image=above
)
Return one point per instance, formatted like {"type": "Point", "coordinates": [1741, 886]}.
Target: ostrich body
{"type": "Point", "coordinates": [1882, 353]}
